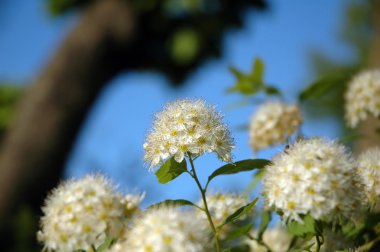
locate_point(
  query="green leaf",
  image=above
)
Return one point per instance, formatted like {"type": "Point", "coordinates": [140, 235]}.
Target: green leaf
{"type": "Point", "coordinates": [177, 202]}
{"type": "Point", "coordinates": [238, 232]}
{"type": "Point", "coordinates": [239, 213]}
{"type": "Point", "coordinates": [257, 71]}
{"type": "Point", "coordinates": [79, 250]}
{"type": "Point", "coordinates": [240, 166]}
{"type": "Point", "coordinates": [303, 249]}
{"type": "Point", "coordinates": [238, 248]}
{"type": "Point", "coordinates": [265, 219]}
{"type": "Point", "coordinates": [322, 86]}
{"type": "Point", "coordinates": [270, 90]}
{"type": "Point", "coordinates": [257, 177]}
{"type": "Point", "coordinates": [251, 83]}
{"type": "Point", "coordinates": [106, 245]}
{"type": "Point", "coordinates": [305, 229]}
{"type": "Point", "coordinates": [170, 170]}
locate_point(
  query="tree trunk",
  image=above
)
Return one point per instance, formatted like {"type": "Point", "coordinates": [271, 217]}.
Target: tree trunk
{"type": "Point", "coordinates": [34, 150]}
{"type": "Point", "coordinates": [368, 128]}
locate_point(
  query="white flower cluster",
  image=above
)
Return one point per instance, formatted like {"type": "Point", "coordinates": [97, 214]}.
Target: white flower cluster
{"type": "Point", "coordinates": [81, 213]}
{"type": "Point", "coordinates": [222, 205]}
{"type": "Point", "coordinates": [187, 126]}
{"type": "Point", "coordinates": [369, 171]}
{"type": "Point", "coordinates": [315, 177]}
{"type": "Point", "coordinates": [166, 229]}
{"type": "Point", "coordinates": [273, 123]}
{"type": "Point", "coordinates": [277, 239]}
{"type": "Point", "coordinates": [363, 97]}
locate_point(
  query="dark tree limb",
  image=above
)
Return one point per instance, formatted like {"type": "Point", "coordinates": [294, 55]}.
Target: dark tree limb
{"type": "Point", "coordinates": [33, 153]}
{"type": "Point", "coordinates": [370, 126]}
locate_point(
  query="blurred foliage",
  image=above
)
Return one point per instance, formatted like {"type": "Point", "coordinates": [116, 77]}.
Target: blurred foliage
{"type": "Point", "coordinates": [175, 36]}
{"type": "Point", "coordinates": [24, 225]}
{"type": "Point", "coordinates": [253, 82]}
{"type": "Point", "coordinates": [9, 95]}
{"type": "Point", "coordinates": [325, 95]}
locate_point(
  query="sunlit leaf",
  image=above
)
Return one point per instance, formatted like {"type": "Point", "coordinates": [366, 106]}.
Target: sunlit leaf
{"type": "Point", "coordinates": [106, 245]}
{"type": "Point", "coordinates": [257, 73]}
{"type": "Point", "coordinates": [170, 170]}
{"type": "Point", "coordinates": [305, 229]}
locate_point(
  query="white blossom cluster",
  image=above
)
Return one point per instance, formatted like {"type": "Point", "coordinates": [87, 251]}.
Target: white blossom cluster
{"type": "Point", "coordinates": [81, 213]}
{"type": "Point", "coordinates": [222, 205]}
{"type": "Point", "coordinates": [277, 239]}
{"type": "Point", "coordinates": [166, 229]}
{"type": "Point", "coordinates": [315, 177]}
{"type": "Point", "coordinates": [362, 97]}
{"type": "Point", "coordinates": [273, 123]}
{"type": "Point", "coordinates": [187, 126]}
{"type": "Point", "coordinates": [369, 171]}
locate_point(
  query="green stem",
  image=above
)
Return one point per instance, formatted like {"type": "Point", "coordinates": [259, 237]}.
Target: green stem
{"type": "Point", "coordinates": [203, 192]}
{"type": "Point", "coordinates": [319, 239]}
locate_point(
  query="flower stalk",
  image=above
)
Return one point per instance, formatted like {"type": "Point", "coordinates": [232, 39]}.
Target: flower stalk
{"type": "Point", "coordinates": [203, 193]}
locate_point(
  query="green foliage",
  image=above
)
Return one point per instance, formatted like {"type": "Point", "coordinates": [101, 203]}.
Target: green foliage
{"type": "Point", "coordinates": [239, 213]}
{"type": "Point", "coordinates": [307, 229]}
{"type": "Point", "coordinates": [323, 86]}
{"type": "Point", "coordinates": [306, 248]}
{"type": "Point", "coordinates": [177, 202]}
{"type": "Point", "coordinates": [185, 46]}
{"type": "Point", "coordinates": [265, 219]}
{"type": "Point", "coordinates": [253, 82]}
{"type": "Point", "coordinates": [170, 170]}
{"type": "Point", "coordinates": [240, 166]}
{"type": "Point", "coordinates": [174, 36]}
{"type": "Point", "coordinates": [9, 95]}
{"type": "Point", "coordinates": [106, 245]}
{"type": "Point", "coordinates": [238, 232]}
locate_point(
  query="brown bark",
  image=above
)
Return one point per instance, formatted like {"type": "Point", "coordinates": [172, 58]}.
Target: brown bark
{"type": "Point", "coordinates": [34, 150]}
{"type": "Point", "coordinates": [368, 128]}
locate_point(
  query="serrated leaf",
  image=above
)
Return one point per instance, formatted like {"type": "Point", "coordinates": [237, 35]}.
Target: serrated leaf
{"type": "Point", "coordinates": [240, 166]}
{"type": "Point", "coordinates": [106, 245]}
{"type": "Point", "coordinates": [264, 222]}
{"type": "Point", "coordinates": [239, 213]}
{"type": "Point", "coordinates": [238, 232]}
{"type": "Point", "coordinates": [170, 170]}
{"type": "Point", "coordinates": [305, 229]}
{"type": "Point", "coordinates": [177, 202]}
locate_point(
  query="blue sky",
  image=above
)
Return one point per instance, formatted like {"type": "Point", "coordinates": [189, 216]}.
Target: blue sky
{"type": "Point", "coordinates": [112, 137]}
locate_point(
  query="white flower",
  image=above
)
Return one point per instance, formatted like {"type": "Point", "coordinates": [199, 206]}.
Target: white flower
{"type": "Point", "coordinates": [369, 172]}
{"type": "Point", "coordinates": [315, 177]}
{"type": "Point", "coordinates": [363, 97]}
{"type": "Point", "coordinates": [277, 239]}
{"type": "Point", "coordinates": [222, 205]}
{"type": "Point", "coordinates": [273, 123]}
{"type": "Point", "coordinates": [166, 229]}
{"type": "Point", "coordinates": [81, 213]}
{"type": "Point", "coordinates": [187, 126]}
